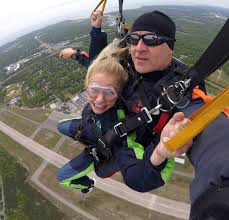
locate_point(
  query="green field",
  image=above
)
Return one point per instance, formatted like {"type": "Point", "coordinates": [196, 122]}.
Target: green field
{"type": "Point", "coordinates": [47, 138]}
{"type": "Point", "coordinates": [21, 125]}
{"type": "Point", "coordinates": [38, 115]}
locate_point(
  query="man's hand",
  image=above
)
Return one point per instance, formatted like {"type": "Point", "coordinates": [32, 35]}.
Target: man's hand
{"type": "Point", "coordinates": [96, 19]}
{"type": "Point", "coordinates": [173, 127]}
{"type": "Point", "coordinates": [67, 53]}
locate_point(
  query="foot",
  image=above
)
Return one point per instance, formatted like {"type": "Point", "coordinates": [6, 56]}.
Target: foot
{"type": "Point", "coordinates": [87, 190]}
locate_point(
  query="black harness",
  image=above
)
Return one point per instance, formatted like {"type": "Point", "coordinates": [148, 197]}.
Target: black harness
{"type": "Point", "coordinates": [102, 151]}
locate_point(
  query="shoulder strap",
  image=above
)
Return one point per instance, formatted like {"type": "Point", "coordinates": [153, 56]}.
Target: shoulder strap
{"type": "Point", "coordinates": [136, 86]}
{"type": "Point", "coordinates": [213, 57]}
{"type": "Point", "coordinates": [101, 151]}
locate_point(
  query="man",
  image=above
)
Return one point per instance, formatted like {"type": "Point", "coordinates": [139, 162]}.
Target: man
{"type": "Point", "coordinates": [151, 42]}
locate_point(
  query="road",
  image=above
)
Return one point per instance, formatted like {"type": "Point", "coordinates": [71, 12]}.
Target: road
{"type": "Point", "coordinates": [147, 200]}
{"type": "Point", "coordinates": [35, 179]}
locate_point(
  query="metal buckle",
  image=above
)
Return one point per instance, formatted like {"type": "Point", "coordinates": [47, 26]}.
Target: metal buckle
{"type": "Point", "coordinates": [101, 142]}
{"type": "Point", "coordinates": [120, 130]}
{"type": "Point", "coordinates": [145, 110]}
{"type": "Point", "coordinates": [94, 154]}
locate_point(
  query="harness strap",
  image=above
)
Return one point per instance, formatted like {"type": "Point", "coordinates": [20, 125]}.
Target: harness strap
{"type": "Point", "coordinates": [103, 7]}
{"type": "Point", "coordinates": [136, 86]}
{"type": "Point", "coordinates": [131, 123]}
{"type": "Point", "coordinates": [143, 97]}
{"type": "Point", "coordinates": [101, 151]}
{"type": "Point", "coordinates": [161, 123]}
{"type": "Point", "coordinates": [120, 8]}
{"type": "Point", "coordinates": [143, 117]}
{"type": "Point", "coordinates": [79, 132]}
{"type": "Point", "coordinates": [213, 57]}
{"type": "Point", "coordinates": [122, 27]}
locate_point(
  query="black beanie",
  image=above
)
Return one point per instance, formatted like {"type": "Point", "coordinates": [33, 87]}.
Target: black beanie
{"type": "Point", "coordinates": [157, 22]}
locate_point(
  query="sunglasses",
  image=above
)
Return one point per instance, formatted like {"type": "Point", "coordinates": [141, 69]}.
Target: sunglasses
{"type": "Point", "coordinates": [148, 39]}
{"type": "Point", "coordinates": [108, 92]}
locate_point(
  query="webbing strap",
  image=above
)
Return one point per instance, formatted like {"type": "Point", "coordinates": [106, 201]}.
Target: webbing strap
{"type": "Point", "coordinates": [101, 151]}
{"type": "Point", "coordinates": [103, 7]}
{"type": "Point", "coordinates": [120, 8]}
{"type": "Point", "coordinates": [131, 123]}
{"type": "Point", "coordinates": [213, 57]}
{"type": "Point", "coordinates": [161, 123]}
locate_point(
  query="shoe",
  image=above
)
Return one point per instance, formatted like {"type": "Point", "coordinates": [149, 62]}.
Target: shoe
{"type": "Point", "coordinates": [87, 190]}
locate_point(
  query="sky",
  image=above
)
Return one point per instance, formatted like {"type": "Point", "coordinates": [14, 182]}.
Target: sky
{"type": "Point", "coordinates": [18, 17]}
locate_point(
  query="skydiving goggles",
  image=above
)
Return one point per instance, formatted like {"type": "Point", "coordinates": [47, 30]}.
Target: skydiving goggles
{"type": "Point", "coordinates": [93, 90]}
{"type": "Point", "coordinates": [148, 39]}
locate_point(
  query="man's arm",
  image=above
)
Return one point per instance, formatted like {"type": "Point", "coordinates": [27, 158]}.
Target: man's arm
{"type": "Point", "coordinates": [155, 167]}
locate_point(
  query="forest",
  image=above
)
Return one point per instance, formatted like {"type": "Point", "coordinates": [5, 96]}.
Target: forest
{"type": "Point", "coordinates": [47, 78]}
{"type": "Point", "coordinates": [21, 200]}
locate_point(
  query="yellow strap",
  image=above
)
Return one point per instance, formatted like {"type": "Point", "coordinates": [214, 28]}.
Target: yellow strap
{"type": "Point", "coordinates": [199, 120]}
{"type": "Point", "coordinates": [103, 7]}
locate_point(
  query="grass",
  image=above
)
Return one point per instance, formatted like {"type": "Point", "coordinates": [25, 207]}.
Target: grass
{"type": "Point", "coordinates": [177, 189]}
{"type": "Point", "coordinates": [29, 160]}
{"type": "Point", "coordinates": [212, 91]}
{"type": "Point", "coordinates": [70, 148]}
{"type": "Point", "coordinates": [38, 115]}
{"type": "Point", "coordinates": [47, 138]}
{"type": "Point", "coordinates": [17, 123]}
{"type": "Point", "coordinates": [12, 91]}
{"type": "Point", "coordinates": [220, 78]}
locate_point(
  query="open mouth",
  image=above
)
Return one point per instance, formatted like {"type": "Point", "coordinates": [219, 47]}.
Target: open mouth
{"type": "Point", "coordinates": [99, 106]}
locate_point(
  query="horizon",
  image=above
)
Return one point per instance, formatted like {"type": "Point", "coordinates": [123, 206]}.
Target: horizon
{"type": "Point", "coordinates": [12, 33]}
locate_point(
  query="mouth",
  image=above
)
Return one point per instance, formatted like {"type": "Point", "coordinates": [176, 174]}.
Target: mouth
{"type": "Point", "coordinates": [99, 107]}
{"type": "Point", "coordinates": [141, 58]}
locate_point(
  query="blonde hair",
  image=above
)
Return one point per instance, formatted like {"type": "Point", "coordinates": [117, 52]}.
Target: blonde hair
{"type": "Point", "coordinates": [108, 63]}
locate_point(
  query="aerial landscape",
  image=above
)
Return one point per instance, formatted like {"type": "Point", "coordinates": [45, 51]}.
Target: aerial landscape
{"type": "Point", "coordinates": [38, 89]}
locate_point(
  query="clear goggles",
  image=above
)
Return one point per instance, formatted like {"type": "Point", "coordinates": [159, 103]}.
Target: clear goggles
{"type": "Point", "coordinates": [93, 90]}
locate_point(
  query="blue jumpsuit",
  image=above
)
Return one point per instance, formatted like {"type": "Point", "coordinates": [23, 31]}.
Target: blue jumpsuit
{"type": "Point", "coordinates": [74, 173]}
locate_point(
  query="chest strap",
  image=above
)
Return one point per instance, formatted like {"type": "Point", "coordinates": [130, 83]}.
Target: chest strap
{"type": "Point", "coordinates": [102, 150]}
{"type": "Point", "coordinates": [161, 123]}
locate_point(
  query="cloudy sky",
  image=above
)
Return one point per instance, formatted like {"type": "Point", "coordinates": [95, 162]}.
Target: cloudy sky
{"type": "Point", "coordinates": [22, 16]}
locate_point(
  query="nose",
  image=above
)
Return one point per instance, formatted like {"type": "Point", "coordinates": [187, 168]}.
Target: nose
{"type": "Point", "coordinates": [140, 46]}
{"type": "Point", "coordinates": [100, 98]}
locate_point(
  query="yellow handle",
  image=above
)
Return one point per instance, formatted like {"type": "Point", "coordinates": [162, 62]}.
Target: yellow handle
{"type": "Point", "coordinates": [199, 120]}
